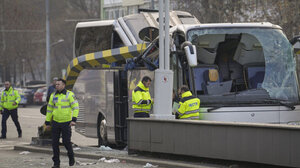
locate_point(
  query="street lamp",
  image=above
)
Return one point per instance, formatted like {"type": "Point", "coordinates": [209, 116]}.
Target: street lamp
{"type": "Point", "coordinates": [59, 41]}
{"type": "Point", "coordinates": [24, 83]}
{"type": "Point", "coordinates": [48, 61]}
{"type": "Point", "coordinates": [48, 68]}
{"type": "Point", "coordinates": [48, 45]}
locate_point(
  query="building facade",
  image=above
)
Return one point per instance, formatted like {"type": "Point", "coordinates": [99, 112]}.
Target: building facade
{"type": "Point", "coordinates": [113, 9]}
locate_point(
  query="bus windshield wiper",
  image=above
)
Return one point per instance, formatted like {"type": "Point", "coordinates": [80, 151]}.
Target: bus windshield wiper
{"type": "Point", "coordinates": [214, 108]}
{"type": "Point", "coordinates": [281, 102]}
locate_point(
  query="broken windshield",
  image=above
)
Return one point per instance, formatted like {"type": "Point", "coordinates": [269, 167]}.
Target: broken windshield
{"type": "Point", "coordinates": [273, 57]}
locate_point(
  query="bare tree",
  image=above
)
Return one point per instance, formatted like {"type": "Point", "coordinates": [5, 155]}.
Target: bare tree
{"type": "Point", "coordinates": [282, 12]}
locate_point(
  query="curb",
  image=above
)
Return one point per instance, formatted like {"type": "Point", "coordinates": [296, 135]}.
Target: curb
{"type": "Point", "coordinates": [129, 159]}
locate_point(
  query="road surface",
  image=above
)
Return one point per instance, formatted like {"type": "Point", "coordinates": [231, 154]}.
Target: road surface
{"type": "Point", "coordinates": [30, 118]}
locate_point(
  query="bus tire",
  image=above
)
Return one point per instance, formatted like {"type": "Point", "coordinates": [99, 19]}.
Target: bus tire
{"type": "Point", "coordinates": [102, 131]}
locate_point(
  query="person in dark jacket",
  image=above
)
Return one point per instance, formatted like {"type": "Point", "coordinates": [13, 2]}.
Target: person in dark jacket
{"type": "Point", "coordinates": [51, 89]}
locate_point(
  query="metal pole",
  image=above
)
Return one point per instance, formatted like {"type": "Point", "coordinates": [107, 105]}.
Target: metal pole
{"type": "Point", "coordinates": [24, 80]}
{"type": "Point", "coordinates": [2, 27]}
{"type": "Point", "coordinates": [102, 10]}
{"type": "Point", "coordinates": [167, 37]}
{"type": "Point", "coordinates": [161, 35]}
{"type": "Point", "coordinates": [152, 4]}
{"type": "Point", "coordinates": [48, 63]}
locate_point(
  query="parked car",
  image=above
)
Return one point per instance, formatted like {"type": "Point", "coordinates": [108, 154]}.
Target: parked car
{"type": "Point", "coordinates": [24, 100]}
{"type": "Point", "coordinates": [44, 99]}
{"type": "Point", "coordinates": [38, 95]}
{"type": "Point", "coordinates": [30, 90]}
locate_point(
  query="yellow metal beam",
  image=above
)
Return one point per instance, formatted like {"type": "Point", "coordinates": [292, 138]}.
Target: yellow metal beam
{"type": "Point", "coordinates": [100, 59]}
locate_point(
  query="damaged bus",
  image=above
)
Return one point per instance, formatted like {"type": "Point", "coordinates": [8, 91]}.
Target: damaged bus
{"type": "Point", "coordinates": [245, 72]}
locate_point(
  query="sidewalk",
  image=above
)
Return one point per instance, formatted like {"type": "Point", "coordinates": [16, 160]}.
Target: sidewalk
{"type": "Point", "coordinates": [122, 155]}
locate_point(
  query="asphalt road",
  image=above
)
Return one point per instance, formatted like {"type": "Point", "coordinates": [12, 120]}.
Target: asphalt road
{"type": "Point", "coordinates": [30, 118]}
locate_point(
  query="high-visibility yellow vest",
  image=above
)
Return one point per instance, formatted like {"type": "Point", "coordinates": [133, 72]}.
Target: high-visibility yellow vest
{"type": "Point", "coordinates": [62, 106]}
{"type": "Point", "coordinates": [141, 98]}
{"type": "Point", "coordinates": [189, 107]}
{"type": "Point", "coordinates": [8, 97]}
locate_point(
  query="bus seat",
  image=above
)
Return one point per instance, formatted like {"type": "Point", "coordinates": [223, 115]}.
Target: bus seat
{"type": "Point", "coordinates": [205, 55]}
{"type": "Point", "coordinates": [244, 56]}
{"type": "Point", "coordinates": [218, 88]}
{"type": "Point", "coordinates": [213, 75]}
{"type": "Point", "coordinates": [256, 80]}
{"type": "Point", "coordinates": [213, 85]}
{"type": "Point", "coordinates": [248, 40]}
{"type": "Point", "coordinates": [210, 40]}
{"type": "Point", "coordinates": [255, 76]}
{"type": "Point", "coordinates": [199, 75]}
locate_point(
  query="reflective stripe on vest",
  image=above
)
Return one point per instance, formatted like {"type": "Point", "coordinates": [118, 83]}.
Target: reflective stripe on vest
{"type": "Point", "coordinates": [64, 100]}
{"type": "Point", "coordinates": [65, 107]}
{"type": "Point", "coordinates": [142, 110]}
{"type": "Point", "coordinates": [190, 112]}
{"type": "Point", "coordinates": [192, 118]}
{"type": "Point", "coordinates": [74, 102]}
{"type": "Point", "coordinates": [67, 95]}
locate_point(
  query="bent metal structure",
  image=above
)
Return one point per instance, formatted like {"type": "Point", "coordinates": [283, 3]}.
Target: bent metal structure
{"type": "Point", "coordinates": [100, 59]}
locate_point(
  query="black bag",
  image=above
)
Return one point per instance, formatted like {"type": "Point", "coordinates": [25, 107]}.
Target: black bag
{"type": "Point", "coordinates": [43, 109]}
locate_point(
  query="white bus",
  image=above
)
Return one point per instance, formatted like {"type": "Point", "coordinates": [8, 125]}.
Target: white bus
{"type": "Point", "coordinates": [245, 72]}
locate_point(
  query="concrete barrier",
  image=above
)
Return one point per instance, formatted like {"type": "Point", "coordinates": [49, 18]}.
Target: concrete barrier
{"type": "Point", "coordinates": [273, 144]}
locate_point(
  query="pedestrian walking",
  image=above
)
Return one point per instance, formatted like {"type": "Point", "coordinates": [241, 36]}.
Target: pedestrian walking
{"type": "Point", "coordinates": [141, 98]}
{"type": "Point", "coordinates": [10, 99]}
{"type": "Point", "coordinates": [62, 112]}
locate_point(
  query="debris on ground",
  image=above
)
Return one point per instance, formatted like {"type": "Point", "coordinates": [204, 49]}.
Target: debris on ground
{"type": "Point", "coordinates": [105, 148]}
{"type": "Point", "coordinates": [24, 153]}
{"type": "Point", "coordinates": [77, 148]}
{"type": "Point", "coordinates": [109, 160]}
{"type": "Point", "coordinates": [84, 164]}
{"type": "Point", "coordinates": [150, 165]}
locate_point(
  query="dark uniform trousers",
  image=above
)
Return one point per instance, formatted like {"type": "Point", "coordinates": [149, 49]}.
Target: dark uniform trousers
{"type": "Point", "coordinates": [65, 130]}
{"type": "Point", "coordinates": [141, 115]}
{"type": "Point", "coordinates": [14, 115]}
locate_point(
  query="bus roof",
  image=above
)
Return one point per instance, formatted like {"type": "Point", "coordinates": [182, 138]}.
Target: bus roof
{"type": "Point", "coordinates": [95, 23]}
{"type": "Point", "coordinates": [227, 25]}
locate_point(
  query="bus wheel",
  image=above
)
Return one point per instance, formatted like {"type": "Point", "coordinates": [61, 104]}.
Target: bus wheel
{"type": "Point", "coordinates": [102, 132]}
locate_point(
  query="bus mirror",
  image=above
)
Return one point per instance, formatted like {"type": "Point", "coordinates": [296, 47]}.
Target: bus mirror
{"type": "Point", "coordinates": [296, 44]}
{"type": "Point", "coordinates": [294, 40]}
{"type": "Point", "coordinates": [148, 34]}
{"type": "Point", "coordinates": [190, 52]}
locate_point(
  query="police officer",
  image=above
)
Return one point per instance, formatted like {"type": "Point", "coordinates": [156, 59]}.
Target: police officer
{"type": "Point", "coordinates": [51, 89]}
{"type": "Point", "coordinates": [141, 98]}
{"type": "Point", "coordinates": [62, 112]}
{"type": "Point", "coordinates": [10, 99]}
{"type": "Point", "coordinates": [189, 105]}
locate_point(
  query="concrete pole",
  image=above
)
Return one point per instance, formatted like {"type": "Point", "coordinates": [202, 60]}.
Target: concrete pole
{"type": "Point", "coordinates": [163, 83]}
{"type": "Point", "coordinates": [48, 63]}
{"type": "Point", "coordinates": [161, 35]}
{"type": "Point", "coordinates": [167, 37]}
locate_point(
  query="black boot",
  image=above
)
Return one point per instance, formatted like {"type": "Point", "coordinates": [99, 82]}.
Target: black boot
{"type": "Point", "coordinates": [55, 166]}
{"type": "Point", "coordinates": [71, 161]}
